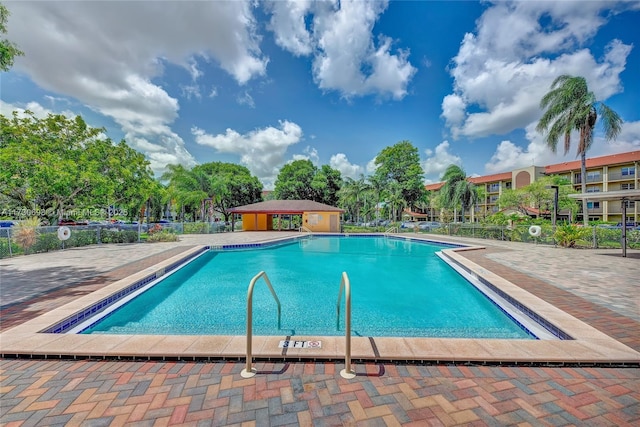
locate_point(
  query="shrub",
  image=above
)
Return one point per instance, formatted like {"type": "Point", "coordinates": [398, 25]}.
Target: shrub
{"type": "Point", "coordinates": [162, 236]}
{"type": "Point", "coordinates": [26, 233]}
{"type": "Point", "coordinates": [568, 235]}
{"type": "Point", "coordinates": [195, 228]}
{"type": "Point", "coordinates": [81, 238]}
{"type": "Point", "coordinates": [114, 236]}
{"type": "Point", "coordinates": [46, 242]}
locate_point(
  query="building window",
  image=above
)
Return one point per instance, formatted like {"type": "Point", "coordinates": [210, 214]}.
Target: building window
{"type": "Point", "coordinates": [593, 176]}
{"type": "Point", "coordinates": [629, 171]}
{"type": "Point", "coordinates": [628, 186]}
{"type": "Point", "coordinates": [593, 205]}
{"type": "Point", "coordinates": [494, 187]}
{"type": "Point", "coordinates": [508, 185]}
{"type": "Point", "coordinates": [593, 189]}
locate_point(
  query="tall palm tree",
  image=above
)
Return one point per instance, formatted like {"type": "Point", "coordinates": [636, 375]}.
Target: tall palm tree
{"type": "Point", "coordinates": [377, 186]}
{"type": "Point", "coordinates": [457, 190]}
{"type": "Point", "coordinates": [570, 106]}
{"type": "Point", "coordinates": [352, 195]}
{"type": "Point", "coordinates": [396, 201]}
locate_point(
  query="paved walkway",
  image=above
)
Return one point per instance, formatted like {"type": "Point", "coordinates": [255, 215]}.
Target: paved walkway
{"type": "Point", "coordinates": [598, 287]}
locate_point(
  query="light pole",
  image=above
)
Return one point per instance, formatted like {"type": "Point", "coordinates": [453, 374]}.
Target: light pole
{"type": "Point", "coordinates": [555, 188]}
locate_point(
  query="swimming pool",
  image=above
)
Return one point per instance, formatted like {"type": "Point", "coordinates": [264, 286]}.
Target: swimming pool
{"type": "Point", "coordinates": [399, 288]}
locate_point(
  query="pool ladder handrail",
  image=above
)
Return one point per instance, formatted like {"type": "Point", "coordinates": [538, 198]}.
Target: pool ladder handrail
{"type": "Point", "coordinates": [305, 229]}
{"type": "Point", "coordinates": [393, 229]}
{"type": "Point", "coordinates": [249, 371]}
{"type": "Point", "coordinates": [347, 372]}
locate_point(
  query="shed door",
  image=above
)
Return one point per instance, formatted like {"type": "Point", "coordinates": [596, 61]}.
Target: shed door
{"type": "Point", "coordinates": [333, 223]}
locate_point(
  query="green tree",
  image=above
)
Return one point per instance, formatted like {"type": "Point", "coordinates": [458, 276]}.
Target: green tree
{"type": "Point", "coordinates": [514, 198]}
{"type": "Point", "coordinates": [377, 188]}
{"type": "Point", "coordinates": [539, 194]}
{"type": "Point", "coordinates": [570, 106]}
{"type": "Point", "coordinates": [400, 164]}
{"type": "Point", "coordinates": [457, 190]}
{"type": "Point", "coordinates": [352, 196]}
{"type": "Point", "coordinates": [57, 165]}
{"type": "Point", "coordinates": [182, 190]}
{"type": "Point", "coordinates": [302, 180]}
{"type": "Point", "coordinates": [396, 200]}
{"type": "Point", "coordinates": [212, 187]}
{"type": "Point", "coordinates": [326, 183]}
{"type": "Point", "coordinates": [233, 185]}
{"type": "Point", "coordinates": [8, 49]}
{"type": "Point", "coordinates": [294, 181]}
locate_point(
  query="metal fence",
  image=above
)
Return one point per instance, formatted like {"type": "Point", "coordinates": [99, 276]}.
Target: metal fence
{"type": "Point", "coordinates": [591, 237]}
{"type": "Point", "coordinates": [46, 239]}
{"type": "Point", "coordinates": [14, 241]}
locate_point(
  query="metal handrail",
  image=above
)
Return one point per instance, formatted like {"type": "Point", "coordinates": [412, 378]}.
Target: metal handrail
{"type": "Point", "coordinates": [303, 228]}
{"type": "Point", "coordinates": [249, 371]}
{"type": "Point", "coordinates": [347, 372]}
{"type": "Point", "coordinates": [391, 229]}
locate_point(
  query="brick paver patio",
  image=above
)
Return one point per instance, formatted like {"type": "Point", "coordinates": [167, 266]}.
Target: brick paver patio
{"type": "Point", "coordinates": [150, 393]}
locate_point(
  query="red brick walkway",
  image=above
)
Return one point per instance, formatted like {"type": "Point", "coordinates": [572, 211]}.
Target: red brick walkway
{"type": "Point", "coordinates": [95, 393]}
{"type": "Point", "coordinates": [148, 393]}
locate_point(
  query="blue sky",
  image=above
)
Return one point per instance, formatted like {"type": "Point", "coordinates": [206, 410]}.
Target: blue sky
{"type": "Point", "coordinates": [264, 83]}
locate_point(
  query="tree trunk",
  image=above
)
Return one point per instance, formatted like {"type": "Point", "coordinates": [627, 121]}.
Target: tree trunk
{"type": "Point", "coordinates": [583, 181]}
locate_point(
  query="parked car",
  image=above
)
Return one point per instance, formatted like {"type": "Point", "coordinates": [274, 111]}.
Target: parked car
{"type": "Point", "coordinates": [630, 225]}
{"type": "Point", "coordinates": [409, 224]}
{"type": "Point", "coordinates": [429, 225]}
{"type": "Point", "coordinates": [6, 224]}
{"type": "Point", "coordinates": [72, 222]}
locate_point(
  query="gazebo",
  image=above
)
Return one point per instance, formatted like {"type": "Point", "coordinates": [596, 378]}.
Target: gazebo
{"type": "Point", "coordinates": [315, 216]}
{"type": "Point", "coordinates": [624, 196]}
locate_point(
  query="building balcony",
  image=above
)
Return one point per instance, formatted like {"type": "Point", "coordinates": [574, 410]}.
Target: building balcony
{"type": "Point", "coordinates": [617, 176]}
{"type": "Point", "coordinates": [590, 179]}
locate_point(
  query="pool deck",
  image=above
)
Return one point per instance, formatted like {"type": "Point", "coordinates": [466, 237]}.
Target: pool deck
{"type": "Point", "coordinates": [595, 290]}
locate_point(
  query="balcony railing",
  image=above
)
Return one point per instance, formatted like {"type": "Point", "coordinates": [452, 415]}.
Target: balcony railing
{"type": "Point", "coordinates": [618, 176]}
{"type": "Point", "coordinates": [578, 180]}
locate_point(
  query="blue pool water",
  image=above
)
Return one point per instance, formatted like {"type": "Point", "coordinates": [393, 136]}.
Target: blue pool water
{"type": "Point", "coordinates": [399, 288]}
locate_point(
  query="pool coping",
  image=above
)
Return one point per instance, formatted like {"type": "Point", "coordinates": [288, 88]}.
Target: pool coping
{"type": "Point", "coordinates": [588, 346]}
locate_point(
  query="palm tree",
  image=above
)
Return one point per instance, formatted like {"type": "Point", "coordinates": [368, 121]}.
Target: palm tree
{"type": "Point", "coordinates": [457, 190]}
{"type": "Point", "coordinates": [377, 186]}
{"type": "Point", "coordinates": [352, 195]}
{"type": "Point", "coordinates": [396, 201]}
{"type": "Point", "coordinates": [570, 106]}
{"type": "Point", "coordinates": [192, 187]}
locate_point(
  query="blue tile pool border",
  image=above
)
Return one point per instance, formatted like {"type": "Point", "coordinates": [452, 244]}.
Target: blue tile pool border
{"type": "Point", "coordinates": [550, 327]}
{"type": "Point", "coordinates": [98, 307]}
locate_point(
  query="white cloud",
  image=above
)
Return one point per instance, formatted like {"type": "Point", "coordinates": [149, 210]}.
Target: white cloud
{"type": "Point", "coordinates": [37, 109]}
{"type": "Point", "coordinates": [509, 156]}
{"type": "Point", "coordinates": [288, 25]}
{"type": "Point", "coordinates": [310, 153]}
{"type": "Point", "coordinates": [371, 166]}
{"type": "Point", "coordinates": [107, 54]}
{"type": "Point", "coordinates": [191, 91]}
{"type": "Point", "coordinates": [262, 151]}
{"type": "Point", "coordinates": [245, 98]}
{"type": "Point", "coordinates": [342, 44]}
{"type": "Point", "coordinates": [453, 111]}
{"type": "Point", "coordinates": [438, 161]}
{"type": "Point", "coordinates": [341, 162]}
{"type": "Point", "coordinates": [503, 69]}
